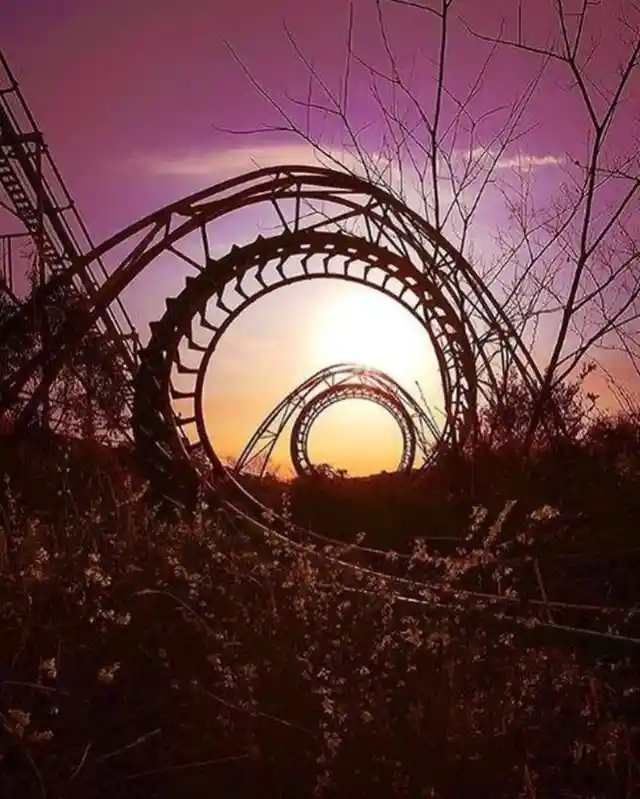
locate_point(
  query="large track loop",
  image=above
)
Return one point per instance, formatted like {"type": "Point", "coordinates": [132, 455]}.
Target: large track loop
{"type": "Point", "coordinates": [324, 224]}
{"type": "Point", "coordinates": [419, 428]}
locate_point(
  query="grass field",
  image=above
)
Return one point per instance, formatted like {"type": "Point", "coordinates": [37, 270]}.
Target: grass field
{"type": "Point", "coordinates": [146, 658]}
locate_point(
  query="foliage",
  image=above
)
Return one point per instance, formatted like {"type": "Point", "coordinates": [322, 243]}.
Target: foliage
{"type": "Point", "coordinates": [89, 395]}
{"type": "Point", "coordinates": [141, 658]}
{"type": "Point", "coordinates": [563, 415]}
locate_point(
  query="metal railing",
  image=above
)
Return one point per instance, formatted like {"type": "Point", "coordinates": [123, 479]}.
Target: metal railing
{"type": "Point", "coordinates": [40, 199]}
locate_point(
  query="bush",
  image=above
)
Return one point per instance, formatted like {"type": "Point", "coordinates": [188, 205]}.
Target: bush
{"type": "Point", "coordinates": [141, 658]}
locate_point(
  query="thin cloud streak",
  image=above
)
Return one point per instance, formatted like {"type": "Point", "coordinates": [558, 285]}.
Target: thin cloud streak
{"type": "Point", "coordinates": [233, 161]}
{"type": "Point", "coordinates": [220, 163]}
{"type": "Point", "coordinates": [526, 163]}
{"type": "Point", "coordinates": [521, 162]}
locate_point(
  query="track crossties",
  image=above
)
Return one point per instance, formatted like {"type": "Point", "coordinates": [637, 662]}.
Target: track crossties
{"type": "Point", "coordinates": [325, 224]}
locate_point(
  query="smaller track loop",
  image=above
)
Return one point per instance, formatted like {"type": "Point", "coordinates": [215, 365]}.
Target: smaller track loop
{"type": "Point", "coordinates": [254, 458]}
{"type": "Point", "coordinates": [312, 410]}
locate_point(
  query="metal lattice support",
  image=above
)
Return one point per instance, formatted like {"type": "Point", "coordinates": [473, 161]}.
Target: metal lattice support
{"type": "Point", "coordinates": [52, 239]}
{"type": "Point", "coordinates": [34, 192]}
{"type": "Point", "coordinates": [310, 413]}
{"type": "Point", "coordinates": [303, 405]}
{"type": "Point", "coordinates": [327, 225]}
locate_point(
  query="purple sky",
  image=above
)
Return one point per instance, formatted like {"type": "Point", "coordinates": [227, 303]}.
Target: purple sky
{"type": "Point", "coordinates": [112, 83]}
{"type": "Point", "coordinates": [129, 93]}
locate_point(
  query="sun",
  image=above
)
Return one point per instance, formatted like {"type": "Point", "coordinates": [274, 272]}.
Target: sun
{"type": "Point", "coordinates": [363, 325]}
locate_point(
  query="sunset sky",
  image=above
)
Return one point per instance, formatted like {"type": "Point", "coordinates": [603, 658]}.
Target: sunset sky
{"type": "Point", "coordinates": [129, 94]}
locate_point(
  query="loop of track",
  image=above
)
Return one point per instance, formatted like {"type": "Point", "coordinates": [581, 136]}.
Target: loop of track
{"type": "Point", "coordinates": [424, 429]}
{"type": "Point", "coordinates": [299, 447]}
{"type": "Point", "coordinates": [356, 232]}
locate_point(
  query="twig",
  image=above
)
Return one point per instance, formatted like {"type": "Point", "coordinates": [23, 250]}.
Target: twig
{"type": "Point", "coordinates": [260, 713]}
{"type": "Point", "coordinates": [35, 687]}
{"type": "Point", "coordinates": [181, 602]}
{"type": "Point", "coordinates": [543, 591]}
{"type": "Point", "coordinates": [32, 763]}
{"type": "Point", "coordinates": [140, 740]}
{"type": "Point", "coordinates": [184, 767]}
{"type": "Point", "coordinates": [83, 760]}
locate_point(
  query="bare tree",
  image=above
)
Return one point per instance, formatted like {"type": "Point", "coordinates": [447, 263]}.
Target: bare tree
{"type": "Point", "coordinates": [563, 262]}
{"type": "Point", "coordinates": [430, 145]}
{"type": "Point", "coordinates": [90, 395]}
{"type": "Point", "coordinates": [581, 251]}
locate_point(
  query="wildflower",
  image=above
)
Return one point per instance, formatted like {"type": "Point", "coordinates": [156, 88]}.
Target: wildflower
{"type": "Point", "coordinates": [48, 668]}
{"type": "Point", "coordinates": [478, 516]}
{"type": "Point", "coordinates": [332, 742]}
{"type": "Point", "coordinates": [94, 574]}
{"type": "Point", "coordinates": [36, 569]}
{"type": "Point", "coordinates": [107, 673]}
{"type": "Point", "coordinates": [544, 513]}
{"type": "Point", "coordinates": [328, 705]}
{"type": "Point", "coordinates": [21, 720]}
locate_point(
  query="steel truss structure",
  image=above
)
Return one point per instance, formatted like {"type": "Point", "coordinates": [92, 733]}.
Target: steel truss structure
{"type": "Point", "coordinates": [328, 225]}
{"type": "Point", "coordinates": [34, 192]}
{"type": "Point", "coordinates": [337, 383]}
{"type": "Point", "coordinates": [52, 238]}
{"type": "Point", "coordinates": [325, 224]}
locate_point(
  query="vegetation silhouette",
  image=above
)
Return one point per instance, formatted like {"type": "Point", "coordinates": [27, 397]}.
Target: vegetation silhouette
{"type": "Point", "coordinates": [147, 652]}
{"type": "Point", "coordinates": [146, 655]}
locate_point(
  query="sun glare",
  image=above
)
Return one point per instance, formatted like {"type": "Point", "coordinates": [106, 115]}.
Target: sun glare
{"type": "Point", "coordinates": [277, 344]}
{"type": "Point", "coordinates": [364, 326]}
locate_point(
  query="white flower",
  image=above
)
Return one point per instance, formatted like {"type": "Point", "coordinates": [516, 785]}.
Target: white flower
{"type": "Point", "coordinates": [544, 513]}
{"type": "Point", "coordinates": [108, 673]}
{"type": "Point", "coordinates": [94, 574]}
{"type": "Point", "coordinates": [48, 668]}
{"type": "Point", "coordinates": [478, 516]}
{"type": "Point", "coordinates": [21, 719]}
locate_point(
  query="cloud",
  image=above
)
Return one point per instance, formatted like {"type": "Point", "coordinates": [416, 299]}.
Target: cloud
{"type": "Point", "coordinates": [219, 164]}
{"type": "Point", "coordinates": [236, 160]}
{"type": "Point", "coordinates": [521, 162]}
{"type": "Point", "coordinates": [525, 163]}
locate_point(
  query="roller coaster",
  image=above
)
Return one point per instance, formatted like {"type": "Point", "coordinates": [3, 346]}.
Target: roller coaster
{"type": "Point", "coordinates": [324, 388]}
{"type": "Point", "coordinates": [327, 224]}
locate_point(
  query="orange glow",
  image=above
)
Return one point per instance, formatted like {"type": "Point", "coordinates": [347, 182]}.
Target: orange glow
{"type": "Point", "coordinates": [364, 326]}
{"type": "Point", "coordinates": [326, 323]}
{"type": "Point", "coordinates": [358, 436]}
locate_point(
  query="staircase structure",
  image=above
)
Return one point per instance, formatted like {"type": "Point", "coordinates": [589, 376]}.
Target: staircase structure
{"type": "Point", "coordinates": [32, 190]}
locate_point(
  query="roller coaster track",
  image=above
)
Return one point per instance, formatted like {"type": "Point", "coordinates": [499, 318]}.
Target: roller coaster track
{"type": "Point", "coordinates": [333, 384]}
{"type": "Point", "coordinates": [37, 195]}
{"type": "Point", "coordinates": [331, 225]}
